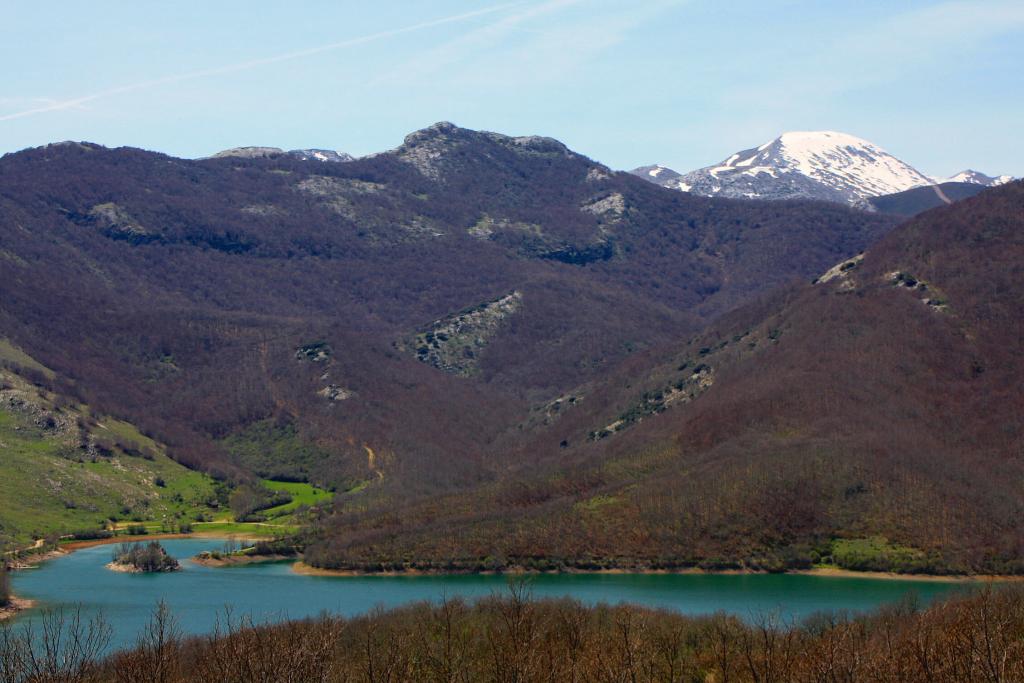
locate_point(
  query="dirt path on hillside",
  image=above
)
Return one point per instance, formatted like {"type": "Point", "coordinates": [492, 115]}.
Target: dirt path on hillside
{"type": "Point", "coordinates": [35, 546]}
{"type": "Point", "coordinates": [371, 462]}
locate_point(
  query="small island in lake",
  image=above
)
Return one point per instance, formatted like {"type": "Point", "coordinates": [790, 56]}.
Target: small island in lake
{"type": "Point", "coordinates": [141, 558]}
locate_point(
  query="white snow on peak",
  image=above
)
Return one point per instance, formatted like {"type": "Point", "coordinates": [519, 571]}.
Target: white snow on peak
{"type": "Point", "coordinates": [826, 165]}
{"type": "Point", "coordinates": [817, 164]}
{"type": "Point", "coordinates": [976, 178]}
{"type": "Point", "coordinates": [840, 159]}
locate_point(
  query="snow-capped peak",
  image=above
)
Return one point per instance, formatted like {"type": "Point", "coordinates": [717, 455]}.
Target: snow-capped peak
{"type": "Point", "coordinates": [804, 164]}
{"type": "Point", "coordinates": [839, 160]}
{"type": "Point", "coordinates": [842, 163]}
{"type": "Point", "coordinates": [975, 178]}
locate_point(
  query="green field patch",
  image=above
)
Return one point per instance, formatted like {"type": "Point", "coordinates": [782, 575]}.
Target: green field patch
{"type": "Point", "coordinates": [877, 554]}
{"type": "Point", "coordinates": [302, 494]}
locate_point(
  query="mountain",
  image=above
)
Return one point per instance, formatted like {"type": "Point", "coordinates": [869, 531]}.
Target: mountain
{"type": "Point", "coordinates": [321, 155]}
{"type": "Point", "coordinates": [871, 419]}
{"type": "Point", "coordinates": [917, 199]}
{"type": "Point", "coordinates": [326, 155]}
{"type": "Point", "coordinates": [658, 174]}
{"type": "Point", "coordinates": [249, 152]}
{"type": "Point", "coordinates": [976, 178]}
{"type": "Point", "coordinates": [386, 326]}
{"type": "Point", "coordinates": [499, 352]}
{"type": "Point", "coordinates": [823, 165]}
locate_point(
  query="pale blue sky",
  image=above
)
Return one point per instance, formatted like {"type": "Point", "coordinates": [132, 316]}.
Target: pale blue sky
{"type": "Point", "coordinates": [680, 82]}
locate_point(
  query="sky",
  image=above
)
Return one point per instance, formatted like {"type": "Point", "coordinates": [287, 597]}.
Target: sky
{"type": "Point", "coordinates": [627, 82]}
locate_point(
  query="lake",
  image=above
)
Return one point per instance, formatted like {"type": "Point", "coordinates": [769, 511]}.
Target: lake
{"type": "Point", "coordinates": [198, 595]}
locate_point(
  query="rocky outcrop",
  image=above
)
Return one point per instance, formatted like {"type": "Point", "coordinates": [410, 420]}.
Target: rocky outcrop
{"type": "Point", "coordinates": [453, 344]}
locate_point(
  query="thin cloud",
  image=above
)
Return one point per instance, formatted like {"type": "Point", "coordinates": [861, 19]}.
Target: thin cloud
{"type": "Point", "coordinates": [461, 47]}
{"type": "Point", "coordinates": [77, 102]}
{"type": "Point", "coordinates": [520, 44]}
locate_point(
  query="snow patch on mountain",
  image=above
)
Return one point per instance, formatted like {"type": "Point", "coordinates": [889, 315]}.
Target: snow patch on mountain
{"type": "Point", "coordinates": [975, 178]}
{"type": "Point", "coordinates": [660, 175]}
{"type": "Point", "coordinates": [819, 165]}
{"type": "Point", "coordinates": [825, 165]}
{"type": "Point", "coordinates": [325, 155]}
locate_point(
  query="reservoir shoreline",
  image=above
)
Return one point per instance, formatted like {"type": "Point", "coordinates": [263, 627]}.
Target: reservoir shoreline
{"type": "Point", "coordinates": [304, 569]}
{"type": "Point", "coordinates": [33, 560]}
{"type": "Point", "coordinates": [271, 589]}
{"type": "Point", "coordinates": [300, 567]}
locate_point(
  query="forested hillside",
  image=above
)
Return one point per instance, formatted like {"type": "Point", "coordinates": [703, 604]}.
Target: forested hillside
{"type": "Point", "coordinates": [870, 419]}
{"type": "Point", "coordinates": [499, 353]}
{"type": "Point", "coordinates": [225, 303]}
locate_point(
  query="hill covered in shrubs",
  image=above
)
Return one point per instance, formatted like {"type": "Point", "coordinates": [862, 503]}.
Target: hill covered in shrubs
{"type": "Point", "coordinates": [187, 296]}
{"type": "Point", "coordinates": [870, 419]}
{"type": "Point", "coordinates": [497, 352]}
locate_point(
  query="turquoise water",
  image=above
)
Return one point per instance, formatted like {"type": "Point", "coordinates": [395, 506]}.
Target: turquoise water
{"type": "Point", "coordinates": [198, 595]}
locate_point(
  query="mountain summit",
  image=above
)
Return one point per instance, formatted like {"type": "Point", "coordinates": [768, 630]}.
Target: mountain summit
{"type": "Point", "coordinates": [444, 149]}
{"type": "Point", "coordinates": [812, 165]}
{"type": "Point", "coordinates": [976, 178]}
{"type": "Point", "coordinates": [325, 155]}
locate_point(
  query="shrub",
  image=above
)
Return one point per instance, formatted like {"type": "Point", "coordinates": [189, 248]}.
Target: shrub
{"type": "Point", "coordinates": [92, 534]}
{"type": "Point", "coordinates": [284, 547]}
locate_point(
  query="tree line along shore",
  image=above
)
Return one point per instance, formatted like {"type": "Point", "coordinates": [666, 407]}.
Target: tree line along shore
{"type": "Point", "coordinates": [512, 637]}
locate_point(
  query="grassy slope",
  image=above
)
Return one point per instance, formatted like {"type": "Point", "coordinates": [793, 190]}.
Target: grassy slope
{"type": "Point", "coordinates": [49, 485]}
{"type": "Point", "coordinates": [11, 353]}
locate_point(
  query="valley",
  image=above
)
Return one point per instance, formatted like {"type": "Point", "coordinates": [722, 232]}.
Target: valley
{"type": "Point", "coordinates": [479, 352]}
{"type": "Point", "coordinates": [339, 342]}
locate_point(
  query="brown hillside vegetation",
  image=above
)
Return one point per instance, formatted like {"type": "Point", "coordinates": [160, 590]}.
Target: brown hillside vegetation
{"type": "Point", "coordinates": [873, 419]}
{"type": "Point", "coordinates": [478, 342]}
{"type": "Point", "coordinates": [194, 297]}
{"type": "Point", "coordinates": [504, 639]}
